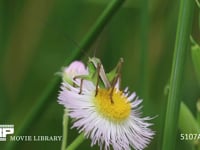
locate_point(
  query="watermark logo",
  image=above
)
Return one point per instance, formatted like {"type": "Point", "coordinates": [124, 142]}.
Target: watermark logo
{"type": "Point", "coordinates": [5, 130]}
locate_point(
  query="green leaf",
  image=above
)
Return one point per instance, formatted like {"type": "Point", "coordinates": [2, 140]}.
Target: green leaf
{"type": "Point", "coordinates": [187, 122]}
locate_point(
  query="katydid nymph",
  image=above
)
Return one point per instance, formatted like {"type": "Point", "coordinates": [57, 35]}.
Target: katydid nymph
{"type": "Point", "coordinates": [98, 75]}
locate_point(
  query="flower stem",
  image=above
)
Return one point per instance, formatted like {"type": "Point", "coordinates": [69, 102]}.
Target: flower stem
{"type": "Point", "coordinates": [76, 142]}
{"type": "Point", "coordinates": [65, 129]}
{"type": "Point", "coordinates": [173, 104]}
{"type": "Point", "coordinates": [52, 87]}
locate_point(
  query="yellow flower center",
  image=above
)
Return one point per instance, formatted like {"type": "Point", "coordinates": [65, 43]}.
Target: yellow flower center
{"type": "Point", "coordinates": [115, 107]}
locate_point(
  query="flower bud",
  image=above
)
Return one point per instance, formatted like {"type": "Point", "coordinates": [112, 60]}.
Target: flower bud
{"type": "Point", "coordinates": [76, 68]}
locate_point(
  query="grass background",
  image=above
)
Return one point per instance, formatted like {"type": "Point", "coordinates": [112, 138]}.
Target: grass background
{"type": "Point", "coordinates": [36, 37]}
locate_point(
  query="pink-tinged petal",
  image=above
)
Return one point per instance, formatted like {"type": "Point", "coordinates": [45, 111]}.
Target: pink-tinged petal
{"type": "Point", "coordinates": [76, 68]}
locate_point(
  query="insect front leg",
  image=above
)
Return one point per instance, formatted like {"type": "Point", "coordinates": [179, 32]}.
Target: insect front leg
{"type": "Point", "coordinates": [117, 78]}
{"type": "Point", "coordinates": [81, 77]}
{"type": "Point", "coordinates": [91, 77]}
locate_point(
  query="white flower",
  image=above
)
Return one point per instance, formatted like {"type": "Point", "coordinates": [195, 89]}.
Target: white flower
{"type": "Point", "coordinates": [108, 120]}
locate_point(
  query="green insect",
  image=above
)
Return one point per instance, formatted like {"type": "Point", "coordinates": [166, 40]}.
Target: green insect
{"type": "Point", "coordinates": [98, 75]}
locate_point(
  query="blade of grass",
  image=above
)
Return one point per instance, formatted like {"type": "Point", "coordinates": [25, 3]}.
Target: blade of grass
{"type": "Point", "coordinates": [173, 104]}
{"type": "Point", "coordinates": [52, 87]}
{"type": "Point", "coordinates": [76, 142]}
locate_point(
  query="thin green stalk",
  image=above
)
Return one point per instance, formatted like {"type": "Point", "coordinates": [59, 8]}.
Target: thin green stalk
{"type": "Point", "coordinates": [52, 87]}
{"type": "Point", "coordinates": [65, 129]}
{"type": "Point", "coordinates": [100, 23]}
{"type": "Point", "coordinates": [35, 113]}
{"type": "Point", "coordinates": [173, 104]}
{"type": "Point", "coordinates": [76, 142]}
{"type": "Point", "coordinates": [144, 49]}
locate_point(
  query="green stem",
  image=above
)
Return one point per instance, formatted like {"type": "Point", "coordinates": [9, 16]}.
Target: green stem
{"type": "Point", "coordinates": [65, 129]}
{"type": "Point", "coordinates": [100, 23]}
{"type": "Point", "coordinates": [173, 104]}
{"type": "Point", "coordinates": [76, 142]}
{"type": "Point", "coordinates": [35, 113]}
{"type": "Point", "coordinates": [45, 98]}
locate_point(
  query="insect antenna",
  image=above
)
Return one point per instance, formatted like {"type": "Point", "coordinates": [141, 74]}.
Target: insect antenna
{"type": "Point", "coordinates": [96, 45]}
{"type": "Point", "coordinates": [76, 44]}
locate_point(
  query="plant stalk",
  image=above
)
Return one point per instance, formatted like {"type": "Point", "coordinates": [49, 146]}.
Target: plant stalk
{"type": "Point", "coordinates": [76, 142]}
{"type": "Point", "coordinates": [65, 130]}
{"type": "Point", "coordinates": [174, 98]}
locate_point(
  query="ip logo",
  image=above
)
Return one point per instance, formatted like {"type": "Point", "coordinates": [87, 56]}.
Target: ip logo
{"type": "Point", "coordinates": [5, 130]}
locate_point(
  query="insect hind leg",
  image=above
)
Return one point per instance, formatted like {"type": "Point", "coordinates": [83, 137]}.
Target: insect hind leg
{"type": "Point", "coordinates": [98, 76]}
{"type": "Point", "coordinates": [116, 79]}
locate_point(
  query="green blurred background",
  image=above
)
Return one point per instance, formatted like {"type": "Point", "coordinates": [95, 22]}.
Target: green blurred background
{"type": "Point", "coordinates": [36, 37]}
